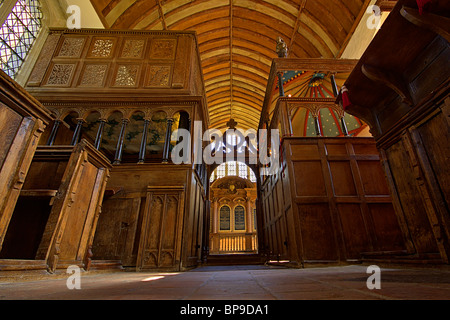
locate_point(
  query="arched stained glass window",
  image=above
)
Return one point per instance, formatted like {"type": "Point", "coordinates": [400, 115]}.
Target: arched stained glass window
{"type": "Point", "coordinates": [224, 218]}
{"type": "Point", "coordinates": [17, 34]}
{"type": "Point", "coordinates": [239, 218]}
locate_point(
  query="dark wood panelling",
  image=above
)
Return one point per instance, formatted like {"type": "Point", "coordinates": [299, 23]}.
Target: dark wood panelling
{"type": "Point", "coordinates": [342, 206]}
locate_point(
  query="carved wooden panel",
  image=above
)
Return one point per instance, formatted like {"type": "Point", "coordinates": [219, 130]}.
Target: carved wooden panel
{"type": "Point", "coordinates": [101, 48]}
{"type": "Point", "coordinates": [61, 74]}
{"type": "Point", "coordinates": [163, 49]}
{"type": "Point", "coordinates": [117, 60]}
{"type": "Point", "coordinates": [93, 75]}
{"type": "Point", "coordinates": [116, 237]}
{"type": "Point", "coordinates": [161, 229]}
{"type": "Point", "coordinates": [133, 49]}
{"type": "Point", "coordinates": [72, 47]}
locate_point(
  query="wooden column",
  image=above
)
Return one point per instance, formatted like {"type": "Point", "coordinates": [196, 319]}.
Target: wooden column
{"type": "Point", "coordinates": [280, 84]}
{"type": "Point", "coordinates": [249, 216]}
{"type": "Point", "coordinates": [119, 148]}
{"type": "Point", "coordinates": [98, 138]}
{"type": "Point", "coordinates": [344, 126]}
{"type": "Point", "coordinates": [51, 138]}
{"type": "Point", "coordinates": [317, 126]}
{"type": "Point", "coordinates": [215, 216]}
{"type": "Point", "coordinates": [77, 132]}
{"type": "Point", "coordinates": [143, 142]}
{"type": "Point", "coordinates": [167, 141]}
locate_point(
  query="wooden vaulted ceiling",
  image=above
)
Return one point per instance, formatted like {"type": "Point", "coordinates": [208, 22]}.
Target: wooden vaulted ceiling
{"type": "Point", "coordinates": [237, 40]}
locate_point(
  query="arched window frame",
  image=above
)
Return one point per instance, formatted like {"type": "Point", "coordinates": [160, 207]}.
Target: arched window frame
{"type": "Point", "coordinates": [233, 168]}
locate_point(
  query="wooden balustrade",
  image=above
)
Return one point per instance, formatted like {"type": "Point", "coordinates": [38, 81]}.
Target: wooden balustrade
{"type": "Point", "coordinates": [223, 243]}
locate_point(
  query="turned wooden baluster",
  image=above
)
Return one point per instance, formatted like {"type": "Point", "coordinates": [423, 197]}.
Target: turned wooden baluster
{"type": "Point", "coordinates": [119, 148]}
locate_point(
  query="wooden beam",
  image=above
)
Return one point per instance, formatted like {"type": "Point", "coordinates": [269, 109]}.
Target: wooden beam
{"type": "Point", "coordinates": [161, 14]}
{"type": "Point", "coordinates": [352, 30]}
{"type": "Point", "coordinates": [296, 26]}
{"type": "Point", "coordinates": [231, 58]}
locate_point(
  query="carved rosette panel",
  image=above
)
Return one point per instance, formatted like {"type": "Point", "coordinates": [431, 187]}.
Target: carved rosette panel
{"type": "Point", "coordinates": [133, 49]}
{"type": "Point", "coordinates": [93, 75]}
{"type": "Point", "coordinates": [71, 47]}
{"type": "Point", "coordinates": [162, 49]}
{"type": "Point", "coordinates": [102, 48]}
{"type": "Point", "coordinates": [159, 76]}
{"type": "Point", "coordinates": [61, 74]}
{"type": "Point", "coordinates": [127, 75]}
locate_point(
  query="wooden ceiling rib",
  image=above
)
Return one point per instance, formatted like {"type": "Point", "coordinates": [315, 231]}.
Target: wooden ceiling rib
{"type": "Point", "coordinates": [237, 40]}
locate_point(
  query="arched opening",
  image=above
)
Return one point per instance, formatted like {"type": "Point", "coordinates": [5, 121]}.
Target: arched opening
{"type": "Point", "coordinates": [233, 225]}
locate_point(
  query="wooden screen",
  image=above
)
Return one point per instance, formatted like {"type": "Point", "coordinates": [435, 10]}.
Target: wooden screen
{"type": "Point", "coordinates": [340, 205]}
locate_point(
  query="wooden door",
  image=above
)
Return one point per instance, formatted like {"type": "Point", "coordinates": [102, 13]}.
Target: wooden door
{"type": "Point", "coordinates": [160, 243]}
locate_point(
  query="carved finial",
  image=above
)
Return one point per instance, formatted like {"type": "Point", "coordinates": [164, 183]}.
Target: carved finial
{"type": "Point", "coordinates": [231, 124]}
{"type": "Point", "coordinates": [282, 49]}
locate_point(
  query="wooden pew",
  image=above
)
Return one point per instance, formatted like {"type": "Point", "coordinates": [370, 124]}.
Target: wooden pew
{"type": "Point", "coordinates": [22, 121]}
{"type": "Point", "coordinates": [65, 187]}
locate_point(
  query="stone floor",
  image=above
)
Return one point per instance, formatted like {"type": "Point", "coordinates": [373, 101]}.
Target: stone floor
{"type": "Point", "coordinates": [242, 283]}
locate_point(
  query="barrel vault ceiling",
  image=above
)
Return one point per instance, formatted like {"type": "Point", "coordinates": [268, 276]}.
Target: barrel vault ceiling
{"type": "Point", "coordinates": [237, 40]}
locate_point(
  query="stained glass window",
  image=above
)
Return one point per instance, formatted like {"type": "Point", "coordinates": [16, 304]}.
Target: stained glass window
{"type": "Point", "coordinates": [18, 33]}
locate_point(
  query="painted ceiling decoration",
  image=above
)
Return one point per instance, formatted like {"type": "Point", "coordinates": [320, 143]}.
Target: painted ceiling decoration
{"type": "Point", "coordinates": [308, 84]}
{"type": "Point", "coordinates": [237, 41]}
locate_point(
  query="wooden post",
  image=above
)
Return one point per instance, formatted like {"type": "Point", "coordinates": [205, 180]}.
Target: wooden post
{"type": "Point", "coordinates": [98, 138]}
{"type": "Point", "coordinates": [249, 215]}
{"type": "Point", "coordinates": [143, 142]}
{"type": "Point", "coordinates": [317, 126]}
{"type": "Point", "coordinates": [334, 86]}
{"type": "Point", "coordinates": [119, 148]}
{"type": "Point", "coordinates": [51, 138]}
{"type": "Point", "coordinates": [344, 126]}
{"type": "Point", "coordinates": [77, 132]}
{"type": "Point", "coordinates": [280, 84]}
{"type": "Point", "coordinates": [167, 141]}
